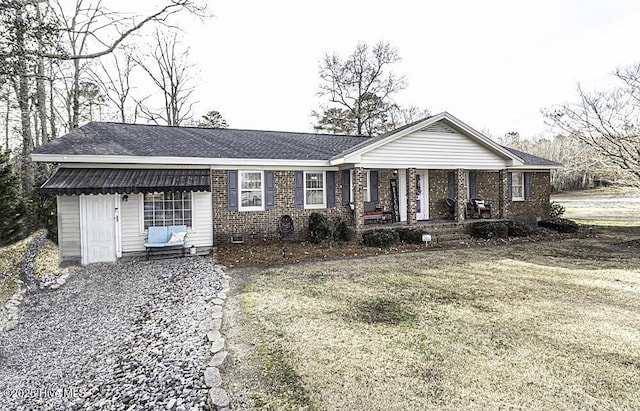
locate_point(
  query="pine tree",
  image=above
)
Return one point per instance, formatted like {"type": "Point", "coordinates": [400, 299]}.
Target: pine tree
{"type": "Point", "coordinates": [12, 209]}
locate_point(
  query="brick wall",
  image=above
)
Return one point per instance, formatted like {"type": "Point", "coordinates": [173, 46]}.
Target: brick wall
{"type": "Point", "coordinates": [538, 207]}
{"type": "Point", "coordinates": [438, 191]}
{"type": "Point", "coordinates": [488, 188]}
{"type": "Point", "coordinates": [259, 225]}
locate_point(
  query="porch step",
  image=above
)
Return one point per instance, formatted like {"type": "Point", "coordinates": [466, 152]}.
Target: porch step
{"type": "Point", "coordinates": [446, 232]}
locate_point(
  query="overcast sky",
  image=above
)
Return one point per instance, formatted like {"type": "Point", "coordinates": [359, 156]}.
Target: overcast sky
{"type": "Point", "coordinates": [492, 64]}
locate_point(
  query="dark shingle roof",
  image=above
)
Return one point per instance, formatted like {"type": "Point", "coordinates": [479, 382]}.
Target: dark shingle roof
{"type": "Point", "coordinates": [530, 159]}
{"type": "Point", "coordinates": [119, 139]}
{"type": "Point", "coordinates": [164, 141]}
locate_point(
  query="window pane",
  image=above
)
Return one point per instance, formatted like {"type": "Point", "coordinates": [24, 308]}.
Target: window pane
{"type": "Point", "coordinates": [314, 180]}
{"type": "Point", "coordinates": [315, 197]}
{"type": "Point", "coordinates": [517, 192]}
{"type": "Point", "coordinates": [251, 180]}
{"type": "Point", "coordinates": [251, 198]}
{"type": "Point", "coordinates": [162, 209]}
{"type": "Point", "coordinates": [516, 179]}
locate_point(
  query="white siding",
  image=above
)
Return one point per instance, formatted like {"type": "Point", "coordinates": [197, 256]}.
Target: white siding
{"type": "Point", "coordinates": [434, 148]}
{"type": "Point", "coordinates": [69, 226]}
{"type": "Point", "coordinates": [202, 234]}
{"type": "Point", "coordinates": [133, 235]}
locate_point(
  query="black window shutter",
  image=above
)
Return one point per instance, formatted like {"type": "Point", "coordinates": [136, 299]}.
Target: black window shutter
{"type": "Point", "coordinates": [232, 189]}
{"type": "Point", "coordinates": [373, 182]}
{"type": "Point", "coordinates": [527, 186]}
{"type": "Point", "coordinates": [451, 189]}
{"type": "Point", "coordinates": [299, 189]}
{"type": "Point", "coordinates": [331, 189]}
{"type": "Point", "coordinates": [509, 185]}
{"type": "Point", "coordinates": [346, 187]}
{"type": "Point", "coordinates": [473, 190]}
{"type": "Point", "coordinates": [269, 190]}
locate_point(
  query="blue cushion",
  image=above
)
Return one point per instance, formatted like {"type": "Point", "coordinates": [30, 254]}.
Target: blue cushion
{"type": "Point", "coordinates": [157, 235]}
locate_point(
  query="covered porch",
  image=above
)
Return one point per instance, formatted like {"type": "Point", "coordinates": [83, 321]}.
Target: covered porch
{"type": "Point", "coordinates": [414, 197]}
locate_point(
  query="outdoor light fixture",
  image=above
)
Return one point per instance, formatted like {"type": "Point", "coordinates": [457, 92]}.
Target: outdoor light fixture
{"type": "Point", "coordinates": [125, 198]}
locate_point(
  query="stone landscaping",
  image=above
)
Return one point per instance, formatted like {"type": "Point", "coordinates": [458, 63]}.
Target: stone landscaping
{"type": "Point", "coordinates": [131, 335]}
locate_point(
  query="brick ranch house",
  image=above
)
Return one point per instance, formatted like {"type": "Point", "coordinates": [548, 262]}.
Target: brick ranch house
{"type": "Point", "coordinates": [114, 180]}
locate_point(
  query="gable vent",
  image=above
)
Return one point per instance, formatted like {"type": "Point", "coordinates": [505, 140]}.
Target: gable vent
{"type": "Point", "coordinates": [438, 128]}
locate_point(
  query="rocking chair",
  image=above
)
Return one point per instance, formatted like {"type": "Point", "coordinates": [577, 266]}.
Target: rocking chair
{"type": "Point", "coordinates": [480, 207]}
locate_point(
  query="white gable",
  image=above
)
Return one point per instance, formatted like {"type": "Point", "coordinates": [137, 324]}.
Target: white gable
{"type": "Point", "coordinates": [436, 146]}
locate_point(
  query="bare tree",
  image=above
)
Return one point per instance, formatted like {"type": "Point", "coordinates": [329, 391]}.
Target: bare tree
{"type": "Point", "coordinates": [94, 25]}
{"type": "Point", "coordinates": [400, 116]}
{"type": "Point", "coordinates": [606, 120]}
{"type": "Point", "coordinates": [115, 81]}
{"type": "Point", "coordinates": [169, 69]}
{"type": "Point", "coordinates": [30, 34]}
{"type": "Point", "coordinates": [360, 87]}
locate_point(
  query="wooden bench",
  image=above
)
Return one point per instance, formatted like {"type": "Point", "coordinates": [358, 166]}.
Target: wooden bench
{"type": "Point", "coordinates": [372, 212]}
{"type": "Point", "coordinates": [172, 236]}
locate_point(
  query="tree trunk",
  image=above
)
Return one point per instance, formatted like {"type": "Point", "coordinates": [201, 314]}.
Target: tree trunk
{"type": "Point", "coordinates": [52, 113]}
{"type": "Point", "coordinates": [41, 93]}
{"type": "Point", "coordinates": [22, 93]}
{"type": "Point", "coordinates": [6, 123]}
{"type": "Point", "coordinates": [75, 91]}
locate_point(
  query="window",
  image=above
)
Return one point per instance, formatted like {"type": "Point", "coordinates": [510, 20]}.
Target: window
{"type": "Point", "coordinates": [365, 186]}
{"type": "Point", "coordinates": [314, 195]}
{"type": "Point", "coordinates": [517, 186]}
{"type": "Point", "coordinates": [466, 186]}
{"type": "Point", "coordinates": [163, 209]}
{"type": "Point", "coordinates": [251, 190]}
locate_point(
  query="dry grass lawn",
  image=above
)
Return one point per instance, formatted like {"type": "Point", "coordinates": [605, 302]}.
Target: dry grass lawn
{"type": "Point", "coordinates": [549, 325]}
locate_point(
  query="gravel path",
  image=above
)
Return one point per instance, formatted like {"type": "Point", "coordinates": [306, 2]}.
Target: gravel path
{"type": "Point", "coordinates": [127, 335]}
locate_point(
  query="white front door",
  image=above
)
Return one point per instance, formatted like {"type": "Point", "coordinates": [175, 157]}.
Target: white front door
{"type": "Point", "coordinates": [422, 195]}
{"type": "Point", "coordinates": [99, 216]}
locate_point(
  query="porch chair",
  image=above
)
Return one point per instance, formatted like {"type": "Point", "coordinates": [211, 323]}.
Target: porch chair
{"type": "Point", "coordinates": [480, 207]}
{"type": "Point", "coordinates": [372, 212]}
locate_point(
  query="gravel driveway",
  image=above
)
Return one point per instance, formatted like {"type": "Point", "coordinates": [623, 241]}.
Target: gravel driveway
{"type": "Point", "coordinates": [127, 335]}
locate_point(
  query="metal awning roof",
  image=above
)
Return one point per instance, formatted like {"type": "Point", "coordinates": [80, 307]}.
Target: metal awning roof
{"type": "Point", "coordinates": [72, 181]}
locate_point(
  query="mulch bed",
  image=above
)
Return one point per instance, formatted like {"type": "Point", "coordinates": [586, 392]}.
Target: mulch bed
{"type": "Point", "coordinates": [288, 252]}
{"type": "Point", "coordinates": [268, 253]}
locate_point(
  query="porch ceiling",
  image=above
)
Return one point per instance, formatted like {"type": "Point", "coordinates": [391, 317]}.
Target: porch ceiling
{"type": "Point", "coordinates": [70, 181]}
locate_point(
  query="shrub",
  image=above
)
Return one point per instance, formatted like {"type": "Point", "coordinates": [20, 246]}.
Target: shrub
{"type": "Point", "coordinates": [410, 235]}
{"type": "Point", "coordinates": [561, 225]}
{"type": "Point", "coordinates": [556, 210]}
{"type": "Point", "coordinates": [318, 227]}
{"type": "Point", "coordinates": [490, 229]}
{"type": "Point", "coordinates": [339, 230]}
{"type": "Point", "coordinates": [517, 229]}
{"type": "Point", "coordinates": [380, 238]}
{"type": "Point", "coordinates": [321, 228]}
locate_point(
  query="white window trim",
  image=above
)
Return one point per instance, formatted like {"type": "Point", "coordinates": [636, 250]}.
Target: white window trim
{"type": "Point", "coordinates": [252, 208]}
{"type": "Point", "coordinates": [143, 231]}
{"type": "Point", "coordinates": [368, 177]}
{"type": "Point", "coordinates": [514, 198]}
{"type": "Point", "coordinates": [324, 190]}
